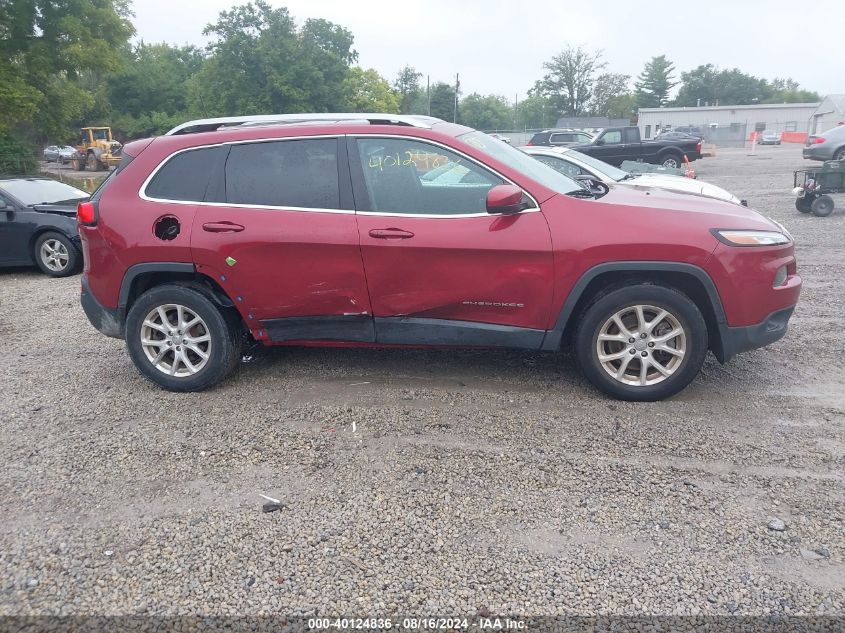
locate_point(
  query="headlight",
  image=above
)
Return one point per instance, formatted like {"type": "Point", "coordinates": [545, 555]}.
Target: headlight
{"type": "Point", "coordinates": [750, 238]}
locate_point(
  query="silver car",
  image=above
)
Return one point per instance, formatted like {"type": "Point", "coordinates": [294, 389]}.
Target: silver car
{"type": "Point", "coordinates": [769, 137]}
{"type": "Point", "coordinates": [828, 145]}
{"type": "Point", "coordinates": [54, 153]}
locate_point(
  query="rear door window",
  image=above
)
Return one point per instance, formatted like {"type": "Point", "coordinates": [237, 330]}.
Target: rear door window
{"type": "Point", "coordinates": [295, 173]}
{"type": "Point", "coordinates": [562, 138]}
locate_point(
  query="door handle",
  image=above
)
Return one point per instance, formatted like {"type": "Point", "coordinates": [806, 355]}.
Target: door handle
{"type": "Point", "coordinates": [222, 227]}
{"type": "Point", "coordinates": [391, 234]}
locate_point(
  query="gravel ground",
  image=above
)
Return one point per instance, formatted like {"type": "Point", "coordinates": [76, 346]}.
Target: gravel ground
{"type": "Point", "coordinates": [474, 481]}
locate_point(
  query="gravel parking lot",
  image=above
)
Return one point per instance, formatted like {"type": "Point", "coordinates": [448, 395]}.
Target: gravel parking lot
{"type": "Point", "coordinates": [474, 481]}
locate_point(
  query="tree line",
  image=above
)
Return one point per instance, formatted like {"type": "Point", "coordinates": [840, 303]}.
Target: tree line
{"type": "Point", "coordinates": [69, 63]}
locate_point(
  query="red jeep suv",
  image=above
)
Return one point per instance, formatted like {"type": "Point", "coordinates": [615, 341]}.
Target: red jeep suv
{"type": "Point", "coordinates": [389, 230]}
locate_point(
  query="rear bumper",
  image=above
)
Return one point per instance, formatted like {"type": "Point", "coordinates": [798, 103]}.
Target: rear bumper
{"type": "Point", "coordinates": [813, 153]}
{"type": "Point", "coordinates": [736, 340]}
{"type": "Point", "coordinates": [109, 322]}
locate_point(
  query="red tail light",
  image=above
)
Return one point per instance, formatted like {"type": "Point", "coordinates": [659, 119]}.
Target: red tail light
{"type": "Point", "coordinates": [698, 147]}
{"type": "Point", "coordinates": [817, 140]}
{"type": "Point", "coordinates": [528, 144]}
{"type": "Point", "coordinates": [86, 213]}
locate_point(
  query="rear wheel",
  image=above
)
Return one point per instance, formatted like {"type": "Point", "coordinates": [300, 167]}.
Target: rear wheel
{"type": "Point", "coordinates": [822, 206]}
{"type": "Point", "coordinates": [673, 161]}
{"type": "Point", "coordinates": [180, 340]}
{"type": "Point", "coordinates": [92, 162]}
{"type": "Point", "coordinates": [840, 154]}
{"type": "Point", "coordinates": [55, 255]}
{"type": "Point", "coordinates": [641, 343]}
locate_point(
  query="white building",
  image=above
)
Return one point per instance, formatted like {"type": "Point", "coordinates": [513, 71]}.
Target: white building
{"type": "Point", "coordinates": [830, 113]}
{"type": "Point", "coordinates": [726, 125]}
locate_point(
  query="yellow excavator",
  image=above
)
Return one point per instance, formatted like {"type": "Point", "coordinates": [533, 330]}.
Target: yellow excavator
{"type": "Point", "coordinates": [97, 150]}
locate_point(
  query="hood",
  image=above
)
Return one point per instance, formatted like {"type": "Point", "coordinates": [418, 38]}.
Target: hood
{"type": "Point", "coordinates": [58, 209]}
{"type": "Point", "coordinates": [683, 184]}
{"type": "Point", "coordinates": [663, 202]}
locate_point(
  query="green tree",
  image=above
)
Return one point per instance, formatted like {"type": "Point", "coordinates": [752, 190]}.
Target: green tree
{"type": "Point", "coordinates": [407, 84]}
{"type": "Point", "coordinates": [150, 95]}
{"type": "Point", "coordinates": [708, 84]}
{"type": "Point", "coordinates": [570, 79]}
{"type": "Point", "coordinates": [44, 46]}
{"type": "Point", "coordinates": [535, 112]}
{"type": "Point", "coordinates": [261, 62]}
{"type": "Point", "coordinates": [488, 112]}
{"type": "Point", "coordinates": [367, 91]}
{"type": "Point", "coordinates": [443, 101]}
{"type": "Point", "coordinates": [655, 82]}
{"type": "Point", "coordinates": [610, 95]}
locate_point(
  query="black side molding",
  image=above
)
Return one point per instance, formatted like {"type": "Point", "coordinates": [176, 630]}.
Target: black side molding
{"type": "Point", "coordinates": [342, 327]}
{"type": "Point", "coordinates": [418, 331]}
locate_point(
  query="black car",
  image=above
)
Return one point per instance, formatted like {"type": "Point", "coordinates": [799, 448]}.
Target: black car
{"type": "Point", "coordinates": [38, 225]}
{"type": "Point", "coordinates": [558, 138]}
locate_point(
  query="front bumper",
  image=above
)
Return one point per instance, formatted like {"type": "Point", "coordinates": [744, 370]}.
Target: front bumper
{"type": "Point", "coordinates": [109, 322]}
{"type": "Point", "coordinates": [736, 340]}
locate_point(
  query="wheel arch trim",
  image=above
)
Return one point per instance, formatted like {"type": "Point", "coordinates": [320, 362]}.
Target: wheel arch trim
{"type": "Point", "coordinates": [133, 272]}
{"type": "Point", "coordinates": [554, 337]}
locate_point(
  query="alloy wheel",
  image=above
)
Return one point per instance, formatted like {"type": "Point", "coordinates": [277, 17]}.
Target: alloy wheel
{"type": "Point", "coordinates": [176, 340]}
{"type": "Point", "coordinates": [641, 345]}
{"type": "Point", "coordinates": [54, 255]}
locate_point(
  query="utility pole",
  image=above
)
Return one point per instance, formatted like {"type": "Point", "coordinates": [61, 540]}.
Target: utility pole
{"type": "Point", "coordinates": [428, 92]}
{"type": "Point", "coordinates": [516, 111]}
{"type": "Point", "coordinates": [457, 88]}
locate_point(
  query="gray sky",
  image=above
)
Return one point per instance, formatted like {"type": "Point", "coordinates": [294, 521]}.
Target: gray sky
{"type": "Point", "coordinates": [499, 46]}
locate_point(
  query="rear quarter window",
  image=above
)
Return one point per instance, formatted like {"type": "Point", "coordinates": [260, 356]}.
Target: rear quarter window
{"type": "Point", "coordinates": [184, 176]}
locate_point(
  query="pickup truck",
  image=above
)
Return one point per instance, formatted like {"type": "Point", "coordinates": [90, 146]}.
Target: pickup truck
{"type": "Point", "coordinates": [616, 144]}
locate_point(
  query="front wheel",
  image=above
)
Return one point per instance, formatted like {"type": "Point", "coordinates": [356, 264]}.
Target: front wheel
{"type": "Point", "coordinates": [55, 255]}
{"type": "Point", "coordinates": [641, 343]}
{"type": "Point", "coordinates": [180, 340]}
{"type": "Point", "coordinates": [840, 155]}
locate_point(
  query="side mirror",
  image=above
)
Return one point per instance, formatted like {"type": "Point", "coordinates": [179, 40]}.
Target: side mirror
{"type": "Point", "coordinates": [599, 141]}
{"type": "Point", "coordinates": [505, 199]}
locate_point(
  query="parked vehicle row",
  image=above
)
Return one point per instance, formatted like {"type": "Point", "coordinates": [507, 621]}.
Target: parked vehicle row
{"type": "Point", "coordinates": [387, 230]}
{"type": "Point", "coordinates": [598, 174]}
{"type": "Point", "coordinates": [57, 154]}
{"type": "Point", "coordinates": [615, 145]}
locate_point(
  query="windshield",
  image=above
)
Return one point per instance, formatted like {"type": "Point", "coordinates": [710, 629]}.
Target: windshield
{"type": "Point", "coordinates": [521, 162]}
{"type": "Point", "coordinates": [598, 165]}
{"type": "Point", "coordinates": [30, 192]}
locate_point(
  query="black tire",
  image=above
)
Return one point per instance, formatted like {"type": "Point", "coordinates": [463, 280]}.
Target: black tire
{"type": "Point", "coordinates": [223, 327]}
{"type": "Point", "coordinates": [92, 162]}
{"type": "Point", "coordinates": [672, 160]}
{"type": "Point", "coordinates": [68, 257]}
{"type": "Point", "coordinates": [78, 164]}
{"type": "Point", "coordinates": [822, 206]}
{"type": "Point", "coordinates": [840, 154]}
{"type": "Point", "coordinates": [678, 305]}
{"type": "Point", "coordinates": [803, 204]}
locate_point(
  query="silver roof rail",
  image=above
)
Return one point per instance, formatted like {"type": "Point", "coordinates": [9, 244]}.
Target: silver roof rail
{"type": "Point", "coordinates": [207, 125]}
